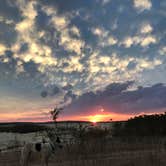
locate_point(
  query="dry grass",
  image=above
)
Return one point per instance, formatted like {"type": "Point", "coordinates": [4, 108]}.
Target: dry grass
{"type": "Point", "coordinates": [116, 152]}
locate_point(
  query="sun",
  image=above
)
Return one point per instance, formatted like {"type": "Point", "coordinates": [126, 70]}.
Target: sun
{"type": "Point", "coordinates": [95, 118]}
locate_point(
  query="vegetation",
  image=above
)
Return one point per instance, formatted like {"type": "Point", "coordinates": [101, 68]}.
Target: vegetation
{"type": "Point", "coordinates": [144, 125]}
{"type": "Point", "coordinates": [138, 141]}
{"type": "Point", "coordinates": [21, 127]}
{"type": "Point", "coordinates": [116, 152]}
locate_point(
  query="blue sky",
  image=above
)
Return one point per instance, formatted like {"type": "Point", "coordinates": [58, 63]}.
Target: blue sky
{"type": "Point", "coordinates": [56, 52]}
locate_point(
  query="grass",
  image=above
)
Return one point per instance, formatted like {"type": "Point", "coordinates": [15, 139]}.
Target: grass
{"type": "Point", "coordinates": [96, 150]}
{"type": "Point", "coordinates": [116, 152]}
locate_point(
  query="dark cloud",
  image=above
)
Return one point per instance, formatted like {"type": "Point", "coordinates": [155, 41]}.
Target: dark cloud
{"type": "Point", "coordinates": [8, 69]}
{"type": "Point", "coordinates": [56, 90]}
{"type": "Point", "coordinates": [68, 87]}
{"type": "Point", "coordinates": [71, 95]}
{"type": "Point", "coordinates": [24, 47]}
{"type": "Point", "coordinates": [117, 98]}
{"type": "Point", "coordinates": [44, 94]}
{"type": "Point", "coordinates": [51, 91]}
{"type": "Point", "coordinates": [31, 68]}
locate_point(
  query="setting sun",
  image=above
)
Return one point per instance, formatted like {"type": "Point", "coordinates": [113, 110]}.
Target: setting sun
{"type": "Point", "coordinates": [98, 118]}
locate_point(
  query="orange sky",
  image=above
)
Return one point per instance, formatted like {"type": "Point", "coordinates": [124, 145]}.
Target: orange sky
{"type": "Point", "coordinates": [36, 117]}
{"type": "Point", "coordinates": [43, 116]}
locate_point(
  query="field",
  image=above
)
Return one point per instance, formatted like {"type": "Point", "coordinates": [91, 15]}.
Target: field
{"type": "Point", "coordinates": [145, 152]}
{"type": "Point", "coordinates": [94, 149]}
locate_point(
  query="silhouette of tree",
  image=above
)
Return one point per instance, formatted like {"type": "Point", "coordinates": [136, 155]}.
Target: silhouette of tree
{"type": "Point", "coordinates": [143, 125]}
{"type": "Point", "coordinates": [55, 113]}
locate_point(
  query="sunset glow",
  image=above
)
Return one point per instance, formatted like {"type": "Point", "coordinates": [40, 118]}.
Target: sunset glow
{"type": "Point", "coordinates": [98, 118]}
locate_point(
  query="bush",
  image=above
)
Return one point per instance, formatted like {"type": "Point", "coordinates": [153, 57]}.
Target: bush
{"type": "Point", "coordinates": [144, 125]}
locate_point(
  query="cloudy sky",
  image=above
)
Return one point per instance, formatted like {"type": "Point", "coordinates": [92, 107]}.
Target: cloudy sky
{"type": "Point", "coordinates": [100, 59]}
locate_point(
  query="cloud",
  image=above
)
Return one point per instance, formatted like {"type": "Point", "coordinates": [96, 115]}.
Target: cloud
{"type": "Point", "coordinates": [104, 37]}
{"type": "Point", "coordinates": [112, 40]}
{"type": "Point", "coordinates": [57, 44]}
{"type": "Point", "coordinates": [2, 49]}
{"type": "Point", "coordinates": [51, 91]}
{"type": "Point", "coordinates": [146, 28]}
{"type": "Point", "coordinates": [143, 41]}
{"type": "Point", "coordinates": [162, 51]}
{"type": "Point", "coordinates": [142, 4]}
{"type": "Point", "coordinates": [117, 98]}
{"type": "Point", "coordinates": [44, 94]}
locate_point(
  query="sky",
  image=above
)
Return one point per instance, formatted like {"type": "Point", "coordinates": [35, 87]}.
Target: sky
{"type": "Point", "coordinates": [98, 59]}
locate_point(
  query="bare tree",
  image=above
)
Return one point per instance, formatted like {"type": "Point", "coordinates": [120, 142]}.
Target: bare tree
{"type": "Point", "coordinates": [55, 113]}
{"type": "Point", "coordinates": [53, 134]}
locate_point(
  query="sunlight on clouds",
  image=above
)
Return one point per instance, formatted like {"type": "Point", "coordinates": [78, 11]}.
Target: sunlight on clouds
{"type": "Point", "coordinates": [141, 40]}
{"type": "Point", "coordinates": [70, 43]}
{"type": "Point", "coordinates": [75, 31]}
{"type": "Point", "coordinates": [6, 21]}
{"type": "Point", "coordinates": [98, 32]}
{"type": "Point", "coordinates": [147, 64]}
{"type": "Point", "coordinates": [148, 40]}
{"type": "Point", "coordinates": [104, 38]}
{"type": "Point", "coordinates": [59, 22]}
{"type": "Point", "coordinates": [107, 64]}
{"type": "Point", "coordinates": [29, 14]}
{"type": "Point", "coordinates": [19, 67]}
{"type": "Point", "coordinates": [146, 28]}
{"type": "Point", "coordinates": [112, 40]}
{"type": "Point", "coordinates": [127, 42]}
{"type": "Point", "coordinates": [108, 67]}
{"type": "Point", "coordinates": [2, 49]}
{"type": "Point", "coordinates": [73, 65]}
{"type": "Point", "coordinates": [27, 33]}
{"type": "Point", "coordinates": [142, 4]}
{"type": "Point", "coordinates": [162, 51]}
{"type": "Point", "coordinates": [24, 25]}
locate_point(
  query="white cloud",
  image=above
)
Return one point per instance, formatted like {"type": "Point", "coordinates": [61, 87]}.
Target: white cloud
{"type": "Point", "coordinates": [69, 43]}
{"type": "Point", "coordinates": [104, 2]}
{"type": "Point", "coordinates": [128, 41]}
{"type": "Point", "coordinates": [148, 40]}
{"type": "Point", "coordinates": [61, 23]}
{"type": "Point", "coordinates": [73, 65]}
{"type": "Point", "coordinates": [142, 4]}
{"type": "Point", "coordinates": [104, 38]}
{"type": "Point", "coordinates": [141, 40]}
{"type": "Point", "coordinates": [147, 64]}
{"type": "Point", "coordinates": [100, 32]}
{"type": "Point", "coordinates": [75, 31]}
{"type": "Point", "coordinates": [6, 21]}
{"type": "Point", "coordinates": [29, 14]}
{"type": "Point", "coordinates": [38, 53]}
{"type": "Point", "coordinates": [112, 40]}
{"type": "Point", "coordinates": [146, 28]}
{"type": "Point", "coordinates": [162, 51]}
{"type": "Point", "coordinates": [3, 48]}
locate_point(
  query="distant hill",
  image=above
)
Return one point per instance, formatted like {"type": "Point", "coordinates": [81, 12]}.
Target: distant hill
{"type": "Point", "coordinates": [26, 127]}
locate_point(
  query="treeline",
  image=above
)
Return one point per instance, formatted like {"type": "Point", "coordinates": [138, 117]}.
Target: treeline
{"type": "Point", "coordinates": [21, 127]}
{"type": "Point", "coordinates": [144, 125]}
